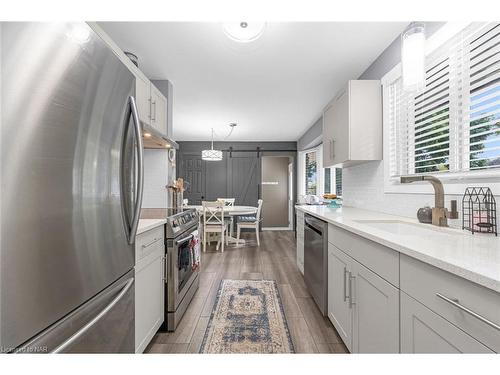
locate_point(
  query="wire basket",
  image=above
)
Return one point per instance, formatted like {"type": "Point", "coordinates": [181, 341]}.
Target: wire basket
{"type": "Point", "coordinates": [479, 210]}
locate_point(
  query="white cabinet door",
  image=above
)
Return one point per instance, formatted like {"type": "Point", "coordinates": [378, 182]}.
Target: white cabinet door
{"type": "Point", "coordinates": [340, 142]}
{"type": "Point", "coordinates": [375, 312]}
{"type": "Point", "coordinates": [143, 99]}
{"type": "Point", "coordinates": [158, 110]}
{"type": "Point", "coordinates": [328, 125]}
{"type": "Point", "coordinates": [149, 297]}
{"type": "Point", "coordinates": [423, 331]}
{"type": "Point", "coordinates": [300, 241]}
{"type": "Point", "coordinates": [339, 310]}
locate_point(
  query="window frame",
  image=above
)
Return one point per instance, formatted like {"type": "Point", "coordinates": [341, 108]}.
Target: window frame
{"type": "Point", "coordinates": [321, 176]}
{"type": "Point", "coordinates": [455, 182]}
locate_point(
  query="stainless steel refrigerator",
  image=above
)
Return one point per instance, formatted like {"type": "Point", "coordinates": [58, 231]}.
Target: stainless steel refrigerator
{"type": "Point", "coordinates": [71, 190]}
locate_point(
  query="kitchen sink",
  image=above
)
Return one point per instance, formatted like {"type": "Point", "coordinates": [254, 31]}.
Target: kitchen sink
{"type": "Point", "coordinates": [404, 228]}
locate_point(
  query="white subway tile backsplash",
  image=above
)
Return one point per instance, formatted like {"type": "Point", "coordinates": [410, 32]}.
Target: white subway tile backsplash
{"type": "Point", "coordinates": [363, 187]}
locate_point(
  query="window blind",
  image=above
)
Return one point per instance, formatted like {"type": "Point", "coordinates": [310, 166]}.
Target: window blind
{"type": "Point", "coordinates": [452, 123]}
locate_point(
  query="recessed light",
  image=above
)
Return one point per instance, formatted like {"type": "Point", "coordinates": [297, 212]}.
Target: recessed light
{"type": "Point", "coordinates": [147, 135]}
{"type": "Point", "coordinates": [244, 32]}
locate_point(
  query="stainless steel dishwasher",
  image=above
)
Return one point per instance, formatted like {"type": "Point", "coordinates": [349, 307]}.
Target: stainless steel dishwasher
{"type": "Point", "coordinates": [316, 260]}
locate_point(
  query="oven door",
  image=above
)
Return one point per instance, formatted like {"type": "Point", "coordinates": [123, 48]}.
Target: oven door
{"type": "Point", "coordinates": [181, 271]}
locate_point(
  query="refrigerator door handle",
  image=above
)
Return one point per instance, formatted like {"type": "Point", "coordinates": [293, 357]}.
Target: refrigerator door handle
{"type": "Point", "coordinates": [140, 170]}
{"type": "Point", "coordinates": [99, 316]}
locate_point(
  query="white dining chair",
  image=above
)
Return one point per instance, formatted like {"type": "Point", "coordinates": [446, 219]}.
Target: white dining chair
{"type": "Point", "coordinates": [251, 222]}
{"type": "Point", "coordinates": [229, 202]}
{"type": "Point", "coordinates": [213, 222]}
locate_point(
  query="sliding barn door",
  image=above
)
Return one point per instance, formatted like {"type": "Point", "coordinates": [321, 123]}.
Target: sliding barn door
{"type": "Point", "coordinates": [244, 178]}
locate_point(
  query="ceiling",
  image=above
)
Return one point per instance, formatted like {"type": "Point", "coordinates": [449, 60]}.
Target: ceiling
{"type": "Point", "coordinates": [274, 87]}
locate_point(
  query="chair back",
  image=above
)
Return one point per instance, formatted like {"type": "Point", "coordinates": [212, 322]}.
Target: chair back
{"type": "Point", "coordinates": [228, 202]}
{"type": "Point", "coordinates": [259, 209]}
{"type": "Point", "coordinates": [213, 213]}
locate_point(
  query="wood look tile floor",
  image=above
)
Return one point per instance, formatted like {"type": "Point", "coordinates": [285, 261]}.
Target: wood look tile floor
{"type": "Point", "coordinates": [275, 259]}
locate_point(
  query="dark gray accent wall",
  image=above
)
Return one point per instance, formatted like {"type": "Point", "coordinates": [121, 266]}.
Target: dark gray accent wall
{"type": "Point", "coordinates": [237, 176]}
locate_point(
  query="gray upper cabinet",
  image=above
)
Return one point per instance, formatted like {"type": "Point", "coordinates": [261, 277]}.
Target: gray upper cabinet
{"type": "Point", "coordinates": [352, 125]}
{"type": "Point", "coordinates": [151, 103]}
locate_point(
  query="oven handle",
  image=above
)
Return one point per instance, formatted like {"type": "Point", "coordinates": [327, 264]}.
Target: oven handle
{"type": "Point", "coordinates": [182, 240]}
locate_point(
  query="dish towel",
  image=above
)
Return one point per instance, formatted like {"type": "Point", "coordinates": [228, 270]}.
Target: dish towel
{"type": "Point", "coordinates": [195, 249]}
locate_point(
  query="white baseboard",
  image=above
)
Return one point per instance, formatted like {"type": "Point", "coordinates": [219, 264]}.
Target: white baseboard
{"type": "Point", "coordinates": [277, 228]}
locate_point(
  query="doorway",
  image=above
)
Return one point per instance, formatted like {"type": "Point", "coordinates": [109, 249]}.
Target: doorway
{"type": "Point", "coordinates": [276, 192]}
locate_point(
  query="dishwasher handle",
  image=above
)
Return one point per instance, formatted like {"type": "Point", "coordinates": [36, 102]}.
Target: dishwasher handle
{"type": "Point", "coordinates": [312, 227]}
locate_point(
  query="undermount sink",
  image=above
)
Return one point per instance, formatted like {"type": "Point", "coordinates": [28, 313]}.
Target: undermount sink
{"type": "Point", "coordinates": [403, 228]}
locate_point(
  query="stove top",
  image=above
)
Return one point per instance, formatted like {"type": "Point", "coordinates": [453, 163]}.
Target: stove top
{"type": "Point", "coordinates": [179, 220]}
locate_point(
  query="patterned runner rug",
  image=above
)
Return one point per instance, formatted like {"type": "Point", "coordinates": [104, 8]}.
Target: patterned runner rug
{"type": "Point", "coordinates": [248, 317]}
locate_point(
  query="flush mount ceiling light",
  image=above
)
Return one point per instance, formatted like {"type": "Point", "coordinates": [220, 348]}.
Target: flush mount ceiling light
{"type": "Point", "coordinates": [211, 155]}
{"type": "Point", "coordinates": [413, 56]}
{"type": "Point", "coordinates": [80, 33]}
{"type": "Point", "coordinates": [244, 32]}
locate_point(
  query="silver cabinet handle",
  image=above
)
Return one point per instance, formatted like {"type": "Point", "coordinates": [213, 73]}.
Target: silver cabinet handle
{"type": "Point", "coordinates": [455, 303]}
{"type": "Point", "coordinates": [151, 243]}
{"type": "Point", "coordinates": [351, 288]}
{"type": "Point", "coordinates": [333, 148]}
{"type": "Point", "coordinates": [89, 325]}
{"type": "Point", "coordinates": [164, 268]}
{"type": "Point", "coordinates": [150, 109]}
{"type": "Point", "coordinates": [154, 111]}
{"type": "Point", "coordinates": [140, 170]}
{"type": "Point", "coordinates": [345, 284]}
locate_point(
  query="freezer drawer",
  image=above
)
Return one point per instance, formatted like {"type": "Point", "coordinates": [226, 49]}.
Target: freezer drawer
{"type": "Point", "coordinates": [105, 324]}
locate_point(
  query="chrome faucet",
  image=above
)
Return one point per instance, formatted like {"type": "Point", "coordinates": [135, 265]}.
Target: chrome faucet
{"type": "Point", "coordinates": [440, 213]}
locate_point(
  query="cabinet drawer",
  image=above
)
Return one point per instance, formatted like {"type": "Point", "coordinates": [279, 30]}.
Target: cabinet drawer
{"type": "Point", "coordinates": [424, 331]}
{"type": "Point", "coordinates": [380, 259]}
{"type": "Point", "coordinates": [148, 242]}
{"type": "Point", "coordinates": [430, 286]}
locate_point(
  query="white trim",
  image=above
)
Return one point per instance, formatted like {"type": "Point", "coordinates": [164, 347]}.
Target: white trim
{"type": "Point", "coordinates": [276, 228]}
{"type": "Point", "coordinates": [301, 170]}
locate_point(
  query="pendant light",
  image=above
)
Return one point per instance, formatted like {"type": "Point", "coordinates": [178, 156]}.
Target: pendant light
{"type": "Point", "coordinates": [211, 155]}
{"type": "Point", "coordinates": [413, 56]}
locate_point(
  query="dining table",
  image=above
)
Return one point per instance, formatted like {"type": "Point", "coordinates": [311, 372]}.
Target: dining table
{"type": "Point", "coordinates": [231, 211]}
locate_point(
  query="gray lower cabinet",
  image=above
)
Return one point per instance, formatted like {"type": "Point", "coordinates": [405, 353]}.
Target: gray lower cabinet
{"type": "Point", "coordinates": [339, 309]}
{"type": "Point", "coordinates": [375, 311]}
{"type": "Point", "coordinates": [424, 331]}
{"type": "Point", "coordinates": [363, 307]}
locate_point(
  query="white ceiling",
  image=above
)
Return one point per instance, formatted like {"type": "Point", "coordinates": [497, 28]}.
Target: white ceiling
{"type": "Point", "coordinates": [274, 88]}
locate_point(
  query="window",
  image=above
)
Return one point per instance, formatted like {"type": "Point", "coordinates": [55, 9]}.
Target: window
{"type": "Point", "coordinates": [333, 181]}
{"type": "Point", "coordinates": [311, 170]}
{"type": "Point", "coordinates": [451, 126]}
{"type": "Point", "coordinates": [313, 178]}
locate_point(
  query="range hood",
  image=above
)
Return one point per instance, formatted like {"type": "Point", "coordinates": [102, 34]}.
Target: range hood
{"type": "Point", "coordinates": [153, 139]}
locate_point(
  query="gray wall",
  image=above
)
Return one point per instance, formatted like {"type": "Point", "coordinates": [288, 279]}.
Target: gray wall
{"type": "Point", "coordinates": [382, 64]}
{"type": "Point", "coordinates": [312, 137]}
{"type": "Point", "coordinates": [226, 177]}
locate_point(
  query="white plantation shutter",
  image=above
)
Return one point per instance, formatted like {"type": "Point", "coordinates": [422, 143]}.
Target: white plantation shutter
{"type": "Point", "coordinates": [483, 120]}
{"type": "Point", "coordinates": [452, 124]}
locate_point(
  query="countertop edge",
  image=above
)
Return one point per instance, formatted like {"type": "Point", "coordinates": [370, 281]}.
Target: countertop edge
{"type": "Point", "coordinates": [152, 223]}
{"type": "Point", "coordinates": [454, 269]}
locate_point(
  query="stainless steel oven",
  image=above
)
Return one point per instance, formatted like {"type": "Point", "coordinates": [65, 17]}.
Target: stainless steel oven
{"type": "Point", "coordinates": [182, 280]}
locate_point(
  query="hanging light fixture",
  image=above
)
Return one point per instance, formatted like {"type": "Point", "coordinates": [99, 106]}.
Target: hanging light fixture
{"type": "Point", "coordinates": [413, 56]}
{"type": "Point", "coordinates": [211, 155]}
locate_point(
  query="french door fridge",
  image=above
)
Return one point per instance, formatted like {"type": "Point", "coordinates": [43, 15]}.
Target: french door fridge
{"type": "Point", "coordinates": [71, 190]}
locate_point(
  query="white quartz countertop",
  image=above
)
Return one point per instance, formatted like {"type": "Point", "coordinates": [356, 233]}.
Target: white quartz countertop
{"type": "Point", "coordinates": [148, 224]}
{"type": "Point", "coordinates": [473, 257]}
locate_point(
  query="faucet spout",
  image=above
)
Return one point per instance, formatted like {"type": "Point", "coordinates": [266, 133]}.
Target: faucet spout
{"type": "Point", "coordinates": [439, 212]}
{"type": "Point", "coordinates": [436, 184]}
